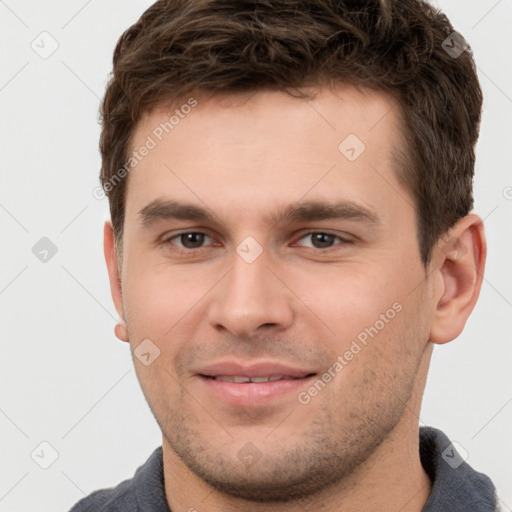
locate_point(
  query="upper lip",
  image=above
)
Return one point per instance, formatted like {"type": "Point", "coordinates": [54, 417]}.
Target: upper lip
{"type": "Point", "coordinates": [259, 369]}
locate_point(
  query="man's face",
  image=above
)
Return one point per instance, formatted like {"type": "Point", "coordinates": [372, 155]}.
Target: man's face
{"type": "Point", "coordinates": [252, 292]}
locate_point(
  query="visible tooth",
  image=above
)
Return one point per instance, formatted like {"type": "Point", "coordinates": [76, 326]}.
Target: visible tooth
{"type": "Point", "coordinates": [260, 379]}
{"type": "Point", "coordinates": [230, 378]}
{"type": "Point", "coordinates": [241, 379]}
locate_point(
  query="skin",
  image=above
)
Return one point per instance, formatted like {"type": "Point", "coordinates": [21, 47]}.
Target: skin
{"type": "Point", "coordinates": [354, 445]}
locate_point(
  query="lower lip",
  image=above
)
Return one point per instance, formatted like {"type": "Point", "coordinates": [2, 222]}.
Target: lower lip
{"type": "Point", "coordinates": [253, 394]}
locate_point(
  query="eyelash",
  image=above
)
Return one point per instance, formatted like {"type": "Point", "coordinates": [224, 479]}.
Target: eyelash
{"type": "Point", "coordinates": [168, 240]}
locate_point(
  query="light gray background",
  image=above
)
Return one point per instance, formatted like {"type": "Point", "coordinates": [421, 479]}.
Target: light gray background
{"type": "Point", "coordinates": [65, 379]}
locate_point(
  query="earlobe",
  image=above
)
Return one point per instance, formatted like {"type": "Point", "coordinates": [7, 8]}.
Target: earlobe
{"type": "Point", "coordinates": [120, 331]}
{"type": "Point", "coordinates": [460, 261]}
{"type": "Point", "coordinates": [111, 259]}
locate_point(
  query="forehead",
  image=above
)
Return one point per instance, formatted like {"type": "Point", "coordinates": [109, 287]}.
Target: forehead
{"type": "Point", "coordinates": [239, 118]}
{"type": "Point", "coordinates": [248, 152]}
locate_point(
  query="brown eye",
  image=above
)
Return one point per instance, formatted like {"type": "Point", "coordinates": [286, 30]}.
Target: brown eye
{"type": "Point", "coordinates": [192, 240]}
{"type": "Point", "coordinates": [323, 240]}
{"type": "Point", "coordinates": [188, 240]}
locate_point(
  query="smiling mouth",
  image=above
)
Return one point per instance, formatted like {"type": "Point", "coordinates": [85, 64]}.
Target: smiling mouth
{"type": "Point", "coordinates": [238, 379]}
{"type": "Point", "coordinates": [253, 387]}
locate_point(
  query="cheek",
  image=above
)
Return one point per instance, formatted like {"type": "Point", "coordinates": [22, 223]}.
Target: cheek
{"type": "Point", "coordinates": [158, 298]}
{"type": "Point", "coordinates": [347, 300]}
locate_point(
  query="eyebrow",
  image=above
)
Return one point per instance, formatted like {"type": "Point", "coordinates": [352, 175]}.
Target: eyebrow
{"type": "Point", "coordinates": [160, 209]}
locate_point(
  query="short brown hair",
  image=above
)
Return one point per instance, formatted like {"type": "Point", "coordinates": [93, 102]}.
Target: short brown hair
{"type": "Point", "coordinates": [229, 46]}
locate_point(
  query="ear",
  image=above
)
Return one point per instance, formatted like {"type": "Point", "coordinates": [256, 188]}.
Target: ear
{"type": "Point", "coordinates": [458, 273]}
{"type": "Point", "coordinates": [111, 258]}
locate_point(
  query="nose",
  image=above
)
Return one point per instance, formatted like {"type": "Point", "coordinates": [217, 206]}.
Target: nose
{"type": "Point", "coordinates": [251, 297]}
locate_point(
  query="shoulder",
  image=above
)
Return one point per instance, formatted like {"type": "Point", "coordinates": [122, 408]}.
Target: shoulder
{"type": "Point", "coordinates": [456, 486]}
{"type": "Point", "coordinates": [144, 492]}
{"type": "Point", "coordinates": [119, 498]}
